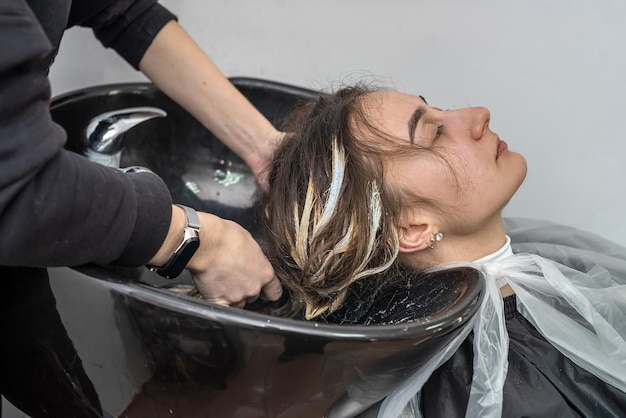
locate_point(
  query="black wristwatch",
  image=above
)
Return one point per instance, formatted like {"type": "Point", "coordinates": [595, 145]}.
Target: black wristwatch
{"type": "Point", "coordinates": [186, 250]}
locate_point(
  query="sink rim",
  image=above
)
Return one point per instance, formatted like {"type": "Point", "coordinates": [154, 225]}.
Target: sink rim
{"type": "Point", "coordinates": [140, 87]}
{"type": "Point", "coordinates": [449, 318]}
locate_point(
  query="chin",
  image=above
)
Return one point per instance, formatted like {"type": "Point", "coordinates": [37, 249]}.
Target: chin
{"type": "Point", "coordinates": [515, 187]}
{"type": "Point", "coordinates": [521, 168]}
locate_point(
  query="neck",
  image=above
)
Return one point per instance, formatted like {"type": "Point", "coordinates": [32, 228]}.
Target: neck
{"type": "Point", "coordinates": [461, 247]}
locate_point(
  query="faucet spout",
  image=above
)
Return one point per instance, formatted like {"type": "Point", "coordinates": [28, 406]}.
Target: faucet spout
{"type": "Point", "coordinates": [104, 138]}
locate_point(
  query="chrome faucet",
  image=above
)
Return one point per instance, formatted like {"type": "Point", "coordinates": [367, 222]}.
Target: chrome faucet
{"type": "Point", "coordinates": [104, 138]}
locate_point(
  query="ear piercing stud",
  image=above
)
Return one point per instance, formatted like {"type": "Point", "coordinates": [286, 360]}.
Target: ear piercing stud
{"type": "Point", "coordinates": [435, 238]}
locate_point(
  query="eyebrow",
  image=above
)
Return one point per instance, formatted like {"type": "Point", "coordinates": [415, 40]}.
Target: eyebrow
{"type": "Point", "coordinates": [413, 120]}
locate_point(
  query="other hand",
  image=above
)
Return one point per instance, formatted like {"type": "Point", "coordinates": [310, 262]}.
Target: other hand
{"type": "Point", "coordinates": [229, 267]}
{"type": "Point", "coordinates": [260, 160]}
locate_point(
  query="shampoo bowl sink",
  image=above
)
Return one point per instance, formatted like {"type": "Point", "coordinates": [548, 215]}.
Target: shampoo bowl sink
{"type": "Point", "coordinates": [150, 352]}
{"type": "Point", "coordinates": [199, 170]}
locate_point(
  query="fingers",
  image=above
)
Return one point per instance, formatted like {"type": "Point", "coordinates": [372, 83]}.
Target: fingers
{"type": "Point", "coordinates": [239, 305]}
{"type": "Point", "coordinates": [262, 179]}
{"type": "Point", "coordinates": [273, 290]}
{"type": "Point", "coordinates": [260, 167]}
{"type": "Point", "coordinates": [219, 271]}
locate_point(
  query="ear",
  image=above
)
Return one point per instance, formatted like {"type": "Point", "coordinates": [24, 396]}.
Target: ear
{"type": "Point", "coordinates": [415, 237]}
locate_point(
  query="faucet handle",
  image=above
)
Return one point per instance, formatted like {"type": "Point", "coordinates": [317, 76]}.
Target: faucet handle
{"type": "Point", "coordinates": [105, 132]}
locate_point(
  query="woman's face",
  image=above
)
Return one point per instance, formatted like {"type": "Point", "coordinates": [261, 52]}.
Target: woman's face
{"type": "Point", "coordinates": [466, 167]}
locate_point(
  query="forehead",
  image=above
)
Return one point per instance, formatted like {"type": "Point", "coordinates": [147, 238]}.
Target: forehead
{"type": "Point", "coordinates": [391, 111]}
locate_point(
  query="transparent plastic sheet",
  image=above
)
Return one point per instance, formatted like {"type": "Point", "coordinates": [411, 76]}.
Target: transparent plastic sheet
{"type": "Point", "coordinates": [594, 336]}
{"type": "Point", "coordinates": [572, 289]}
{"type": "Point", "coordinates": [491, 347]}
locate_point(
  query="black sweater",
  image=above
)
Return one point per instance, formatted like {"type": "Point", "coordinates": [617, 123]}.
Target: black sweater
{"type": "Point", "coordinates": [57, 208]}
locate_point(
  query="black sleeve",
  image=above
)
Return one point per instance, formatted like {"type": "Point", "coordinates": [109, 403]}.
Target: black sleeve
{"type": "Point", "coordinates": [127, 26]}
{"type": "Point", "coordinates": [57, 208]}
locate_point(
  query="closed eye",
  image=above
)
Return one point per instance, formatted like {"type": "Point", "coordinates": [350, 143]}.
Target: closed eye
{"type": "Point", "coordinates": [440, 131]}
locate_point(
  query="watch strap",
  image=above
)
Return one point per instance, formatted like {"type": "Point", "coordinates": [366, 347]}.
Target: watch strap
{"type": "Point", "coordinates": [187, 248]}
{"type": "Point", "coordinates": [191, 216]}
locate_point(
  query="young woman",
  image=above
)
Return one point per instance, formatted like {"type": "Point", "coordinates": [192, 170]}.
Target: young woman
{"type": "Point", "coordinates": [375, 185]}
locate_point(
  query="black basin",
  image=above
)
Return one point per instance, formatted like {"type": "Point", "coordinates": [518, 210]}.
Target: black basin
{"type": "Point", "coordinates": [150, 352]}
{"type": "Point", "coordinates": [199, 170]}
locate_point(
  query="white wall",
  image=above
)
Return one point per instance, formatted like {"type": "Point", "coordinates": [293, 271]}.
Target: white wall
{"type": "Point", "coordinates": [551, 72]}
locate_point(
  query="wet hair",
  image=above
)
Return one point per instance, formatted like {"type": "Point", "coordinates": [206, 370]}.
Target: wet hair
{"type": "Point", "coordinates": [330, 217]}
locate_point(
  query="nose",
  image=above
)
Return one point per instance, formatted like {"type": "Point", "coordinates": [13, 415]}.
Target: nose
{"type": "Point", "coordinates": [476, 121]}
{"type": "Point", "coordinates": [481, 118]}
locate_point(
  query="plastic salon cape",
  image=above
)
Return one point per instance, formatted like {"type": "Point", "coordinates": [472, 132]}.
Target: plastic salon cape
{"type": "Point", "coordinates": [571, 286]}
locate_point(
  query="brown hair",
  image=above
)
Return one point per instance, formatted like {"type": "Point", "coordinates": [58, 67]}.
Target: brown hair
{"type": "Point", "coordinates": [324, 199]}
{"type": "Point", "coordinates": [330, 218]}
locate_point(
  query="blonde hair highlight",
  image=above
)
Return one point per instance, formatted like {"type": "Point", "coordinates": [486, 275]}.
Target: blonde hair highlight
{"type": "Point", "coordinates": [329, 218]}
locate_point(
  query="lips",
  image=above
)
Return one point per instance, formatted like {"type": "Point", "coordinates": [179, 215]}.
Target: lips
{"type": "Point", "coordinates": [502, 147]}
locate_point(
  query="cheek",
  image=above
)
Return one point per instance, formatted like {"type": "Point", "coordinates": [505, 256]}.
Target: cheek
{"type": "Point", "coordinates": [493, 185]}
{"type": "Point", "coordinates": [428, 178]}
{"type": "Point", "coordinates": [471, 167]}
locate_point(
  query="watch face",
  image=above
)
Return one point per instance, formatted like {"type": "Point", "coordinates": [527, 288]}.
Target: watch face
{"type": "Point", "coordinates": [186, 250]}
{"type": "Point", "coordinates": [180, 259]}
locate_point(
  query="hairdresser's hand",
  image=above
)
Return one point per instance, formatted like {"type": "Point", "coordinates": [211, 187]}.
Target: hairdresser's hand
{"type": "Point", "coordinates": [259, 160]}
{"type": "Point", "coordinates": [229, 267]}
